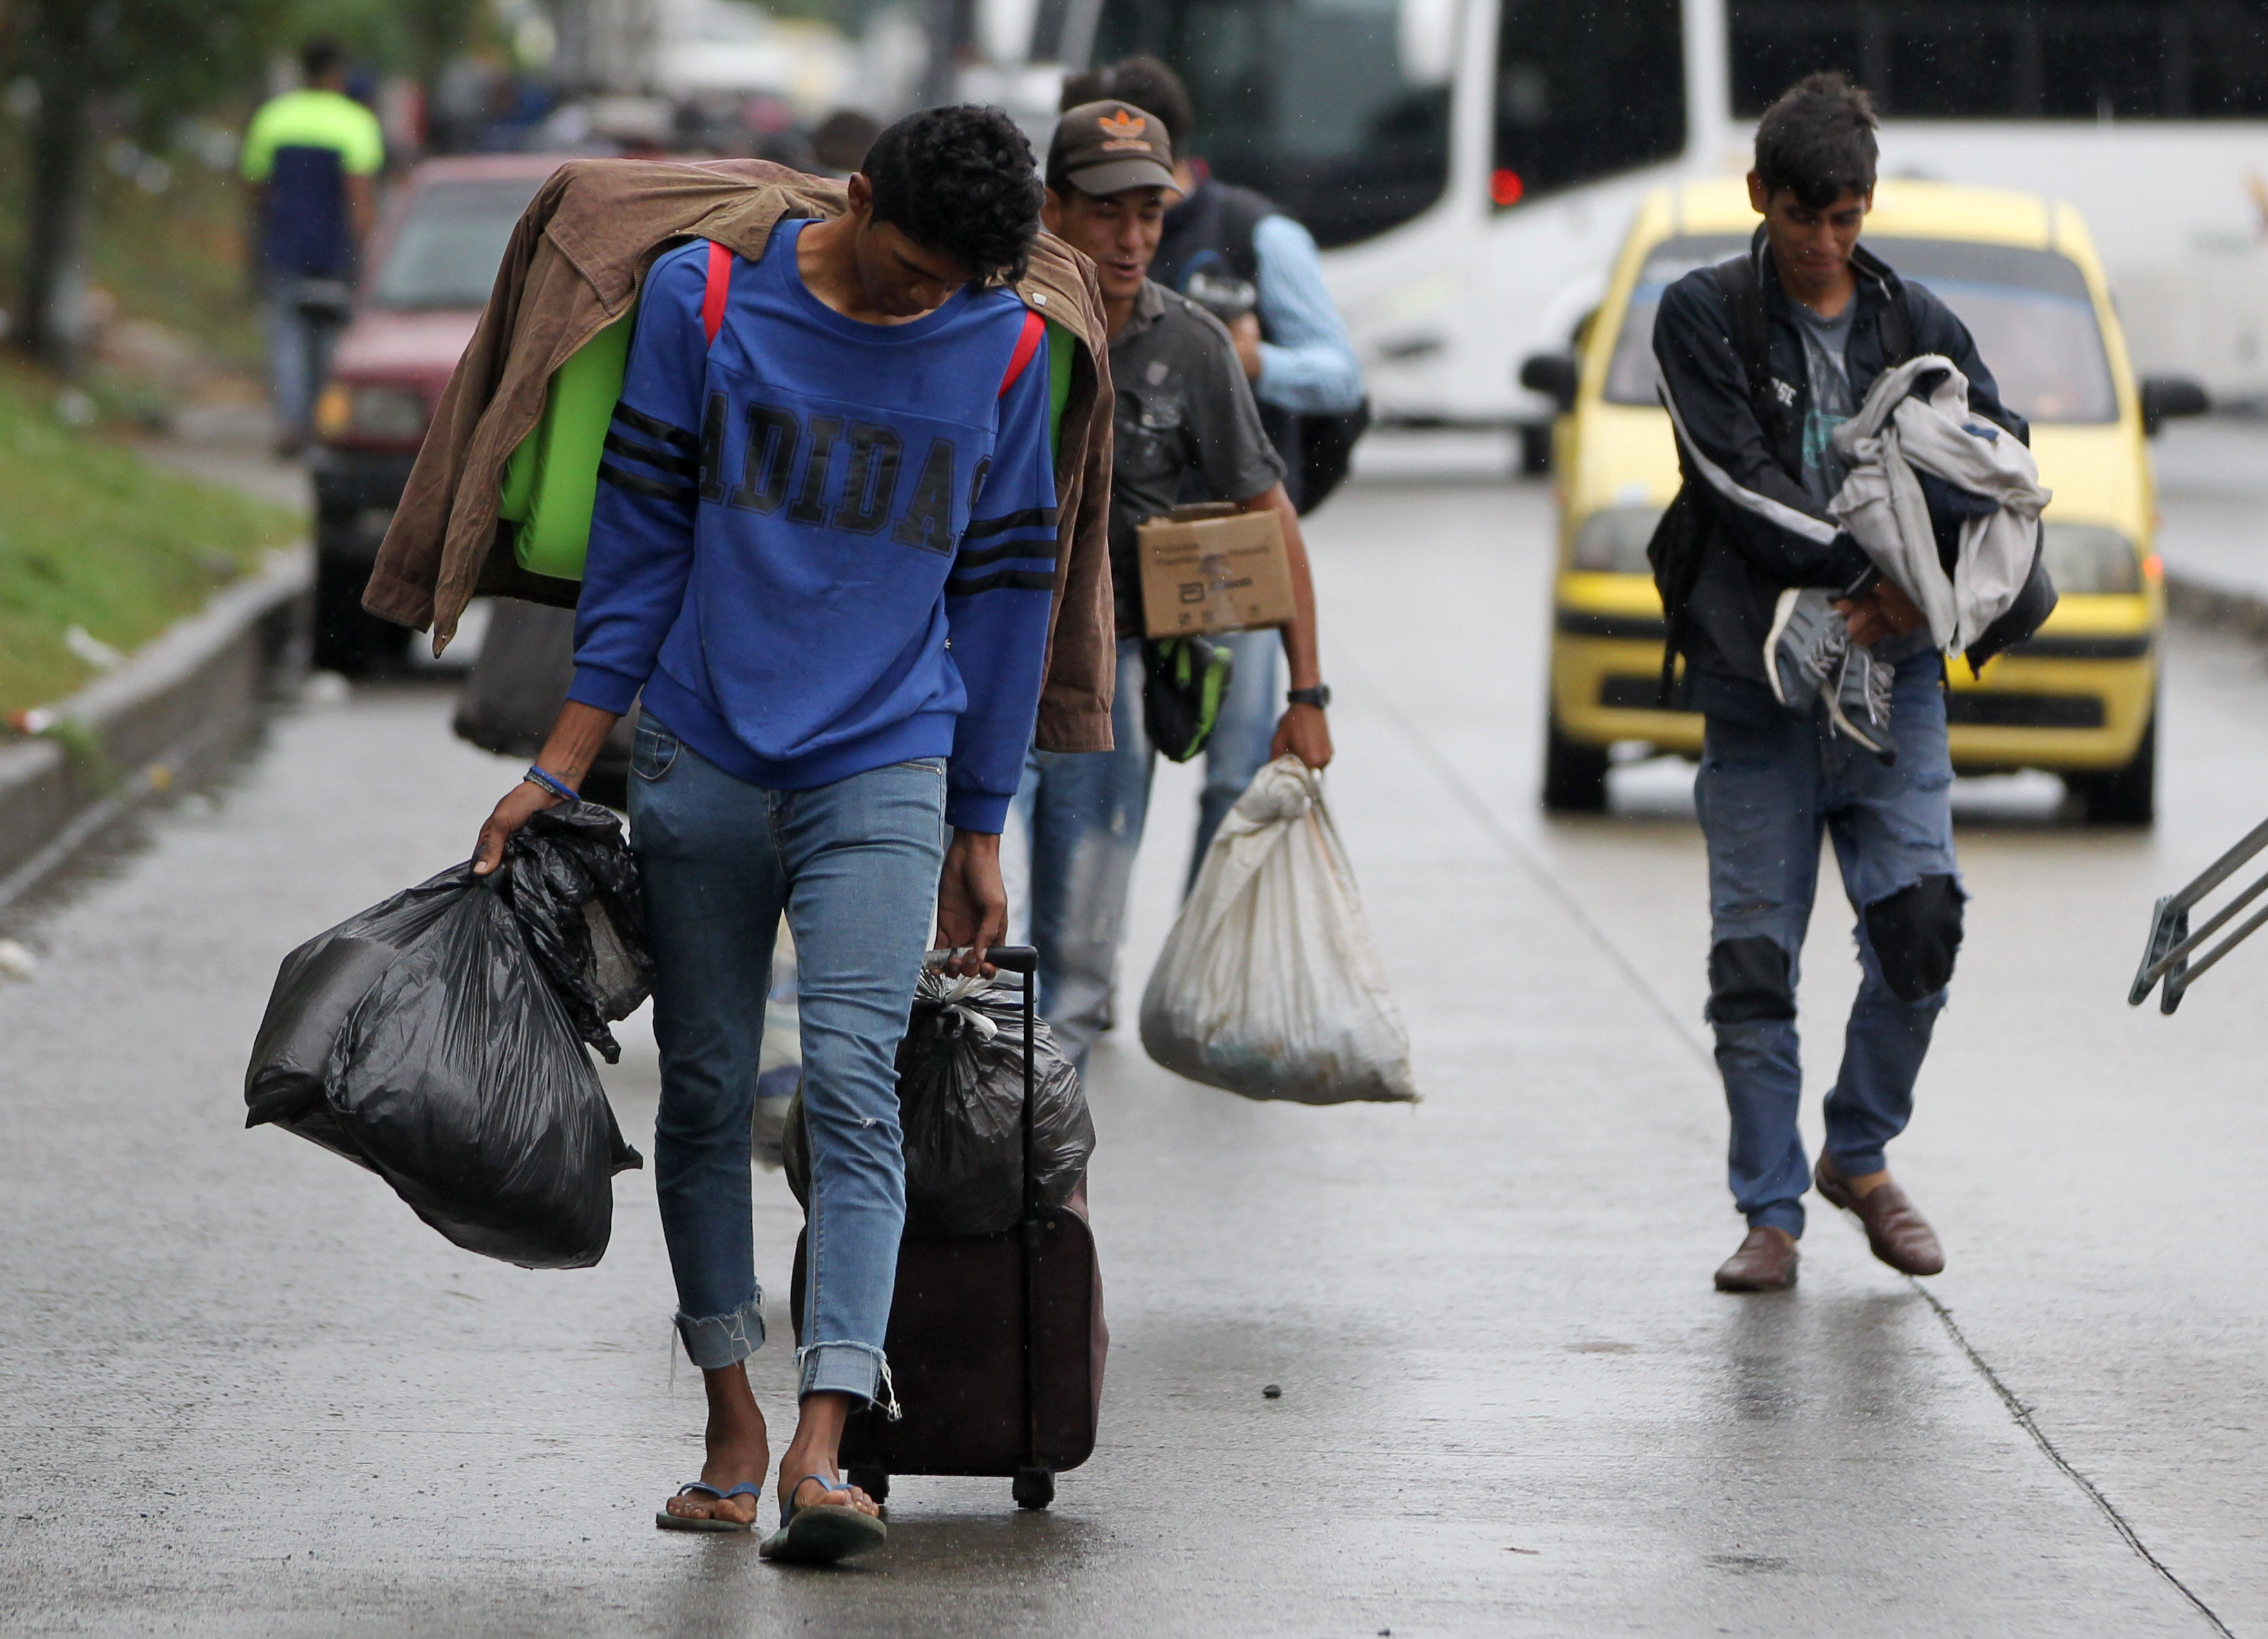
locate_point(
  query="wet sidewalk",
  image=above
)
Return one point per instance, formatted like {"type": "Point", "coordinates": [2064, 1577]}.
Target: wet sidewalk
{"type": "Point", "coordinates": [250, 1394]}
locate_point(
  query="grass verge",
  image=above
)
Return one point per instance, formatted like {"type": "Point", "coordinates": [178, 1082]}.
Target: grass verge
{"type": "Point", "coordinates": [93, 536]}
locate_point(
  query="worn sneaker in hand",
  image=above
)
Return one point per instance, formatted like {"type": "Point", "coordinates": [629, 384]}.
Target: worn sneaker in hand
{"type": "Point", "coordinates": [1860, 704]}
{"type": "Point", "coordinates": [1809, 636]}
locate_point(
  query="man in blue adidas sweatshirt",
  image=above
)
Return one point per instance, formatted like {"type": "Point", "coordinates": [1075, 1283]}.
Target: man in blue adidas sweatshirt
{"type": "Point", "coordinates": [821, 550]}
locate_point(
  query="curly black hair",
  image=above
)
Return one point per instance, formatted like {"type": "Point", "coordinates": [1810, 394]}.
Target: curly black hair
{"type": "Point", "coordinates": [1818, 139]}
{"type": "Point", "coordinates": [960, 181]}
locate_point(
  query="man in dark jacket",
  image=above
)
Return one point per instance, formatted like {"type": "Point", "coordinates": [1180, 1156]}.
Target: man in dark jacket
{"type": "Point", "coordinates": [1820, 687]}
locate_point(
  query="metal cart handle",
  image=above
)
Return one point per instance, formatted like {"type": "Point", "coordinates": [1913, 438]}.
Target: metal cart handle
{"type": "Point", "coordinates": [2171, 944]}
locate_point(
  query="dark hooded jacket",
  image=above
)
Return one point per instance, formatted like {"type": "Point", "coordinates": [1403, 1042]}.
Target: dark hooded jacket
{"type": "Point", "coordinates": [1740, 446]}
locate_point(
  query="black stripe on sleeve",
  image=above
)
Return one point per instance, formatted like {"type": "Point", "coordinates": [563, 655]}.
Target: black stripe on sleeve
{"type": "Point", "coordinates": [1031, 518]}
{"type": "Point", "coordinates": [638, 421]}
{"type": "Point", "coordinates": [676, 494]}
{"type": "Point", "coordinates": [683, 466]}
{"type": "Point", "coordinates": [1010, 580]}
{"type": "Point", "coordinates": [1043, 550]}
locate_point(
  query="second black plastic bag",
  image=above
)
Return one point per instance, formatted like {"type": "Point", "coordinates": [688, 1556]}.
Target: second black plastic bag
{"type": "Point", "coordinates": [436, 1039]}
{"type": "Point", "coordinates": [961, 1102]}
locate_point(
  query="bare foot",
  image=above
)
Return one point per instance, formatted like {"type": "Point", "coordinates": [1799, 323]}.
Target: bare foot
{"type": "Point", "coordinates": [739, 1452]}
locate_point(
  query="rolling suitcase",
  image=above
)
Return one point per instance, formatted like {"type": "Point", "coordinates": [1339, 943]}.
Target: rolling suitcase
{"type": "Point", "coordinates": [996, 1344]}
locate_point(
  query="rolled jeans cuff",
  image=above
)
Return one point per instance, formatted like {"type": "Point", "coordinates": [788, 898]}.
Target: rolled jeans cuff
{"type": "Point", "coordinates": [714, 1341]}
{"type": "Point", "coordinates": [840, 1369]}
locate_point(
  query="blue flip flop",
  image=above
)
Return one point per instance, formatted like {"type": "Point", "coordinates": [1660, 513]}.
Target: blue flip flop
{"type": "Point", "coordinates": [822, 1533]}
{"type": "Point", "coordinates": [668, 1521]}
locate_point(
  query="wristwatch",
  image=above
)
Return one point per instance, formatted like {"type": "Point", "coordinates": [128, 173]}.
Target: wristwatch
{"type": "Point", "coordinates": [1319, 696]}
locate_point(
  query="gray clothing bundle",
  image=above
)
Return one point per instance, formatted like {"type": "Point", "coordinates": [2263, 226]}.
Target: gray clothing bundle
{"type": "Point", "coordinates": [1895, 436]}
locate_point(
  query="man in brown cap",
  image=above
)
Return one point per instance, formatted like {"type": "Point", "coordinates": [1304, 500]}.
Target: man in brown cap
{"type": "Point", "coordinates": [1185, 416]}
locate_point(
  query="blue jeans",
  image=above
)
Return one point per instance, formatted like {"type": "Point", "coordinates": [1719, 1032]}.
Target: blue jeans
{"type": "Point", "coordinates": [854, 866]}
{"type": "Point", "coordinates": [1084, 812]}
{"type": "Point", "coordinates": [1240, 739]}
{"type": "Point", "coordinates": [298, 356]}
{"type": "Point", "coordinates": [1764, 794]}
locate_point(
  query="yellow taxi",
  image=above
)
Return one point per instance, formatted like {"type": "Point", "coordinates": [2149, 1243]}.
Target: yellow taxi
{"type": "Point", "coordinates": [2080, 699]}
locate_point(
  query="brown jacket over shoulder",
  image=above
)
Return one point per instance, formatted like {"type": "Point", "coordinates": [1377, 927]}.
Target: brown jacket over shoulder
{"type": "Point", "coordinates": [575, 264]}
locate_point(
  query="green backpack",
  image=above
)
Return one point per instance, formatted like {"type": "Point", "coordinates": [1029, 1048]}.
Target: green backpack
{"type": "Point", "coordinates": [551, 480]}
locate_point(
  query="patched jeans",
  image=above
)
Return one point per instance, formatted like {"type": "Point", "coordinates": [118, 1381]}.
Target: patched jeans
{"type": "Point", "coordinates": [1765, 795]}
{"type": "Point", "coordinates": [1083, 811]}
{"type": "Point", "coordinates": [854, 867]}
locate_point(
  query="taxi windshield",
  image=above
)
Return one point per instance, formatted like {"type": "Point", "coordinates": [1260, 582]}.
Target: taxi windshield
{"type": "Point", "coordinates": [2029, 310]}
{"type": "Point", "coordinates": [446, 253]}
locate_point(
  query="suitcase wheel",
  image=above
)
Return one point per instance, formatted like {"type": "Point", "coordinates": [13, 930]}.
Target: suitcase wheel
{"type": "Point", "coordinates": [1035, 1488]}
{"type": "Point", "coordinates": [875, 1482]}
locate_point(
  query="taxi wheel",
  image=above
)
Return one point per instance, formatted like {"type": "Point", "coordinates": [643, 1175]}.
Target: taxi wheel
{"type": "Point", "coordinates": [2127, 795]}
{"type": "Point", "coordinates": [1574, 775]}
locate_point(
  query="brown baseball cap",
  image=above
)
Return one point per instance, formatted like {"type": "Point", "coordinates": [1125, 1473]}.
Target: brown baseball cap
{"type": "Point", "coordinates": [1109, 146]}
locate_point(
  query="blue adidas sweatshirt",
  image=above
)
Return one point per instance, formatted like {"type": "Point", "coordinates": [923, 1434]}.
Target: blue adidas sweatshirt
{"type": "Point", "coordinates": [820, 545]}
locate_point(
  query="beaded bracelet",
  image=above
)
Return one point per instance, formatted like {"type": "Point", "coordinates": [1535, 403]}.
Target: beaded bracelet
{"type": "Point", "coordinates": [552, 783]}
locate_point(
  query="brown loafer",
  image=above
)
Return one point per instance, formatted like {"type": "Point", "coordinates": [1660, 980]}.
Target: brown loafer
{"type": "Point", "coordinates": [1764, 1263]}
{"type": "Point", "coordinates": [1896, 1229]}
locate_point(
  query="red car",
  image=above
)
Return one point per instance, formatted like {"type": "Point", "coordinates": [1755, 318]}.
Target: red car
{"type": "Point", "coordinates": [427, 276]}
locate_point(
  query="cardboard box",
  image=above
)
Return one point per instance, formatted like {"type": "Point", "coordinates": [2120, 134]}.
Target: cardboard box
{"type": "Point", "coordinates": [1209, 568]}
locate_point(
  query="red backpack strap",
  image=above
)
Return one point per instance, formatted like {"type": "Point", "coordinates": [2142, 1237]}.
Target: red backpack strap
{"type": "Point", "coordinates": [719, 286]}
{"type": "Point", "coordinates": [1026, 345]}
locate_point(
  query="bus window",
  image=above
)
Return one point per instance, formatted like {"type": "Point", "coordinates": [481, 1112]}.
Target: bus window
{"type": "Point", "coordinates": [2029, 310]}
{"type": "Point", "coordinates": [1338, 110]}
{"type": "Point", "coordinates": [1986, 59]}
{"type": "Point", "coordinates": [1585, 88]}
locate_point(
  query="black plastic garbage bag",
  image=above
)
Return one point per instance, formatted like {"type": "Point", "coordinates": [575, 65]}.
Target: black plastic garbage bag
{"type": "Point", "coordinates": [574, 887]}
{"type": "Point", "coordinates": [427, 1040]}
{"type": "Point", "coordinates": [960, 1101]}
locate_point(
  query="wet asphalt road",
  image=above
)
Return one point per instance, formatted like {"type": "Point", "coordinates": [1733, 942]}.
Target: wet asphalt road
{"type": "Point", "coordinates": [247, 1393]}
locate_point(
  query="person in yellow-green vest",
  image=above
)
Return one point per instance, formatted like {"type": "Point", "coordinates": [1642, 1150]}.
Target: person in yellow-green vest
{"type": "Point", "coordinates": [311, 156]}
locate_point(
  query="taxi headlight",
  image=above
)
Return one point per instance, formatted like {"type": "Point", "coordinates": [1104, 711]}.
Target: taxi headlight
{"type": "Point", "coordinates": [390, 413]}
{"type": "Point", "coordinates": [2088, 558]}
{"type": "Point", "coordinates": [1613, 541]}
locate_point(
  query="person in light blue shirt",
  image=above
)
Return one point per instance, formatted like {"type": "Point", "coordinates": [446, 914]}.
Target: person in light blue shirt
{"type": "Point", "coordinates": [1299, 355]}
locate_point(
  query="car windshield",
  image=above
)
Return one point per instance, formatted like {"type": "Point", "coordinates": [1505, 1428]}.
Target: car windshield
{"type": "Point", "coordinates": [446, 251]}
{"type": "Point", "coordinates": [2030, 310]}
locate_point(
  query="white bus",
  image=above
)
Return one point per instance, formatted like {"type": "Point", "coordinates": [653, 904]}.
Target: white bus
{"type": "Point", "coordinates": [1470, 165]}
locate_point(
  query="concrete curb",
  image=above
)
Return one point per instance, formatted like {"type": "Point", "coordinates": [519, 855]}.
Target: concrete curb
{"type": "Point", "coordinates": [2228, 609]}
{"type": "Point", "coordinates": [177, 704]}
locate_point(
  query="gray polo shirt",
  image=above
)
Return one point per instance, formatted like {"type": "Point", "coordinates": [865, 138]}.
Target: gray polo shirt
{"type": "Point", "coordinates": [1184, 407]}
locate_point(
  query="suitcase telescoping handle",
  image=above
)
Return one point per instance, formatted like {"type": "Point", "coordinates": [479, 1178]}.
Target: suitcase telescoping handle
{"type": "Point", "coordinates": [1017, 958]}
